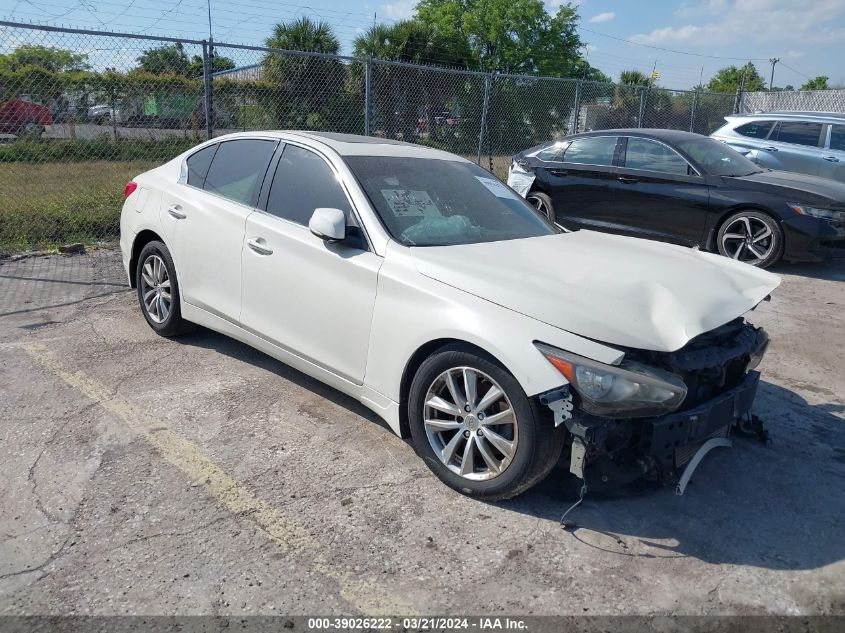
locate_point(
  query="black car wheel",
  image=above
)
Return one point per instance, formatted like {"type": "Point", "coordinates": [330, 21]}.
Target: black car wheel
{"type": "Point", "coordinates": [158, 291]}
{"type": "Point", "coordinates": [543, 204]}
{"type": "Point", "coordinates": [751, 237]}
{"type": "Point", "coordinates": [475, 428]}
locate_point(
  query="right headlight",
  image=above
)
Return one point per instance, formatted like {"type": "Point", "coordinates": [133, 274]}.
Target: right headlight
{"type": "Point", "coordinates": [816, 212]}
{"type": "Point", "coordinates": [625, 391]}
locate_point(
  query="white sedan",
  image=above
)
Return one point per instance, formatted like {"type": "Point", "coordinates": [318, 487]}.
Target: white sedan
{"type": "Point", "coordinates": [419, 284]}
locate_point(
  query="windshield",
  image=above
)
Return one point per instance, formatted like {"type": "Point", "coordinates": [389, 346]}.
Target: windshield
{"type": "Point", "coordinates": [432, 202]}
{"type": "Point", "coordinates": [716, 158]}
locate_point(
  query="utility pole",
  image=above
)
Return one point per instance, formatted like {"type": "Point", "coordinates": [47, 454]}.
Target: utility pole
{"type": "Point", "coordinates": [208, 2]}
{"type": "Point", "coordinates": [773, 61]}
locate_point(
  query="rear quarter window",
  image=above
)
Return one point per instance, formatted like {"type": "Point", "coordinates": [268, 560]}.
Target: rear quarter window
{"type": "Point", "coordinates": [198, 164]}
{"type": "Point", "coordinates": [755, 129]}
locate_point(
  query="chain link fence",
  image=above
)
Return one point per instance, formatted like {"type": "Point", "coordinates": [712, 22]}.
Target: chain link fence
{"type": "Point", "coordinates": [82, 112]}
{"type": "Point", "coordinates": [795, 101]}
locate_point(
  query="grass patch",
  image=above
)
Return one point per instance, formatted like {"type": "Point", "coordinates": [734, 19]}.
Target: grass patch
{"type": "Point", "coordinates": [49, 204]}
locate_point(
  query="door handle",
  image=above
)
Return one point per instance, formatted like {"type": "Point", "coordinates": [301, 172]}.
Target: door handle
{"type": "Point", "coordinates": [771, 149]}
{"type": "Point", "coordinates": [176, 212]}
{"type": "Point", "coordinates": [258, 247]}
{"type": "Point", "coordinates": [558, 172]}
{"type": "Point", "coordinates": [831, 159]}
{"type": "Point", "coordinates": [628, 180]}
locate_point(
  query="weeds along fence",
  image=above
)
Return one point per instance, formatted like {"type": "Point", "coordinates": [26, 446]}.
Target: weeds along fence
{"type": "Point", "coordinates": [82, 112]}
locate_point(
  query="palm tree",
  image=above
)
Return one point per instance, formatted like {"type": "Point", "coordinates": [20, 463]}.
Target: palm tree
{"type": "Point", "coordinates": [307, 84]}
{"type": "Point", "coordinates": [634, 78]}
{"type": "Point", "coordinates": [403, 95]}
{"type": "Point", "coordinates": [304, 34]}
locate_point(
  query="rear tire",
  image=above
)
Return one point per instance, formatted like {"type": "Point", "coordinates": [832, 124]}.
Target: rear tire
{"type": "Point", "coordinates": [752, 237]}
{"type": "Point", "coordinates": [512, 445]}
{"type": "Point", "coordinates": [158, 291]}
{"type": "Point", "coordinates": [543, 204]}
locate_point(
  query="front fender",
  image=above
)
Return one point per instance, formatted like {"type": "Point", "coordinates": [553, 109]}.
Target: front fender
{"type": "Point", "coordinates": [412, 310]}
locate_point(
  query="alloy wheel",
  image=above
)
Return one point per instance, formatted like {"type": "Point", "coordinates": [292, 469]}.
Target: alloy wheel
{"type": "Point", "coordinates": [470, 423]}
{"type": "Point", "coordinates": [538, 204]}
{"type": "Point", "coordinates": [749, 240]}
{"type": "Point", "coordinates": [155, 289]}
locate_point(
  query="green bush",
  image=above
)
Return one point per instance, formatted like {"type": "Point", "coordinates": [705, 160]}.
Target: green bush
{"type": "Point", "coordinates": [94, 149]}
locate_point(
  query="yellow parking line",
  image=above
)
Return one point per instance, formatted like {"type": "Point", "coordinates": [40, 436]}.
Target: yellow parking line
{"type": "Point", "coordinates": [367, 596]}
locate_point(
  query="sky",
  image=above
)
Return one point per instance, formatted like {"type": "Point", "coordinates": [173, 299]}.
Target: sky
{"type": "Point", "coordinates": [686, 40]}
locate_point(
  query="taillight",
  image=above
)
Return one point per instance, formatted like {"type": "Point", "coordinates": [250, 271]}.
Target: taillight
{"type": "Point", "coordinates": [129, 188]}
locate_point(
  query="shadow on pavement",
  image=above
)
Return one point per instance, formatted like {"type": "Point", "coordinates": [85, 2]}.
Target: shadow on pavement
{"type": "Point", "coordinates": [776, 506]}
{"type": "Point", "coordinates": [832, 270]}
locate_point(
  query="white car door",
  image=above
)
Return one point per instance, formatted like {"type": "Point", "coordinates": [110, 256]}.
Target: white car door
{"type": "Point", "coordinates": [204, 220]}
{"type": "Point", "coordinates": [310, 297]}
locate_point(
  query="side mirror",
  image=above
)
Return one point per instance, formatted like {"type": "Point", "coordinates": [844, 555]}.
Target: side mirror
{"type": "Point", "coordinates": [328, 224]}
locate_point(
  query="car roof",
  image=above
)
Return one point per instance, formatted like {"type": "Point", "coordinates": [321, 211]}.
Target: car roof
{"type": "Point", "coordinates": [655, 133]}
{"type": "Point", "coordinates": [353, 144]}
{"type": "Point", "coordinates": [837, 117]}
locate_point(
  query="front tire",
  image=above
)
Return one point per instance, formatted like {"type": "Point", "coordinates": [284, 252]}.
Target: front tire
{"type": "Point", "coordinates": [752, 237]}
{"type": "Point", "coordinates": [475, 428]}
{"type": "Point", "coordinates": [158, 290]}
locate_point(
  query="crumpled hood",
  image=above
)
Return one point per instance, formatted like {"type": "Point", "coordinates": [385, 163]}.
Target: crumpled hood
{"type": "Point", "coordinates": [617, 290]}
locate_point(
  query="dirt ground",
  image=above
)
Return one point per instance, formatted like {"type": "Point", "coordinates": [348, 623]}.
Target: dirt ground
{"type": "Point", "coordinates": [143, 475]}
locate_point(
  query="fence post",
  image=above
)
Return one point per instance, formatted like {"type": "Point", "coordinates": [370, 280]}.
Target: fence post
{"type": "Point", "coordinates": [576, 109]}
{"type": "Point", "coordinates": [692, 114]}
{"type": "Point", "coordinates": [368, 95]}
{"type": "Point", "coordinates": [739, 90]}
{"type": "Point", "coordinates": [207, 56]}
{"type": "Point", "coordinates": [642, 107]}
{"type": "Point", "coordinates": [484, 109]}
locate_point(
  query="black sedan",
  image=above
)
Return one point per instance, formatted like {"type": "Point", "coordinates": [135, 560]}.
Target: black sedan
{"type": "Point", "coordinates": [686, 189]}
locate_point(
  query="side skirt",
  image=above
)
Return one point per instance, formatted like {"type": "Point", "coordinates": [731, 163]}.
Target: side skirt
{"type": "Point", "coordinates": [380, 404]}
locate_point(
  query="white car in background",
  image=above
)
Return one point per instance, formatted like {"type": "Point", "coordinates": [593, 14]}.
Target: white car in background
{"type": "Point", "coordinates": [414, 281]}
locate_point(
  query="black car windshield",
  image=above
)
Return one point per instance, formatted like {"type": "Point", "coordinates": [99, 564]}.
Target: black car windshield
{"type": "Point", "coordinates": [716, 158]}
{"type": "Point", "coordinates": [432, 202]}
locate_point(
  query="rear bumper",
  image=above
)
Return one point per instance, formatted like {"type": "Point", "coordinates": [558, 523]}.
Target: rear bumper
{"type": "Point", "coordinates": [813, 239]}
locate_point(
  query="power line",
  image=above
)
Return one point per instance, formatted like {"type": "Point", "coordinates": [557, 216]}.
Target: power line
{"type": "Point", "coordinates": [784, 64]}
{"type": "Point", "coordinates": [670, 50]}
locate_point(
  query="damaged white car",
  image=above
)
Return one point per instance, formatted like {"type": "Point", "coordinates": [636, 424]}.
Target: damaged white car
{"type": "Point", "coordinates": [417, 283]}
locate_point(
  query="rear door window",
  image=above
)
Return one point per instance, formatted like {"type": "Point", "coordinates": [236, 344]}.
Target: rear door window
{"type": "Point", "coordinates": [198, 164]}
{"type": "Point", "coordinates": [644, 153]}
{"type": "Point", "coordinates": [837, 137]}
{"type": "Point", "coordinates": [798, 133]}
{"type": "Point", "coordinates": [591, 150]}
{"type": "Point", "coordinates": [238, 168]}
{"type": "Point", "coordinates": [755, 129]}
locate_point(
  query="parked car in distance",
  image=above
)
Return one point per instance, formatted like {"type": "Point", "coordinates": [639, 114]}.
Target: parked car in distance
{"type": "Point", "coordinates": [414, 281]}
{"type": "Point", "coordinates": [24, 118]}
{"type": "Point", "coordinates": [685, 189]}
{"type": "Point", "coordinates": [103, 113]}
{"type": "Point", "coordinates": [804, 142]}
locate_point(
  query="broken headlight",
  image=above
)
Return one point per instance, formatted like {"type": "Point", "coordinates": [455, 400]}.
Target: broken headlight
{"type": "Point", "coordinates": [626, 391]}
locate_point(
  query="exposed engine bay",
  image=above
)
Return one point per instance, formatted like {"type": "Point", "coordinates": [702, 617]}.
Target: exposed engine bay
{"type": "Point", "coordinates": [717, 368]}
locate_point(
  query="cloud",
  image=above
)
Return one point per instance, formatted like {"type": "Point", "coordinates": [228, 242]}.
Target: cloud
{"type": "Point", "coordinates": [756, 20]}
{"type": "Point", "coordinates": [607, 16]}
{"type": "Point", "coordinates": [399, 10]}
